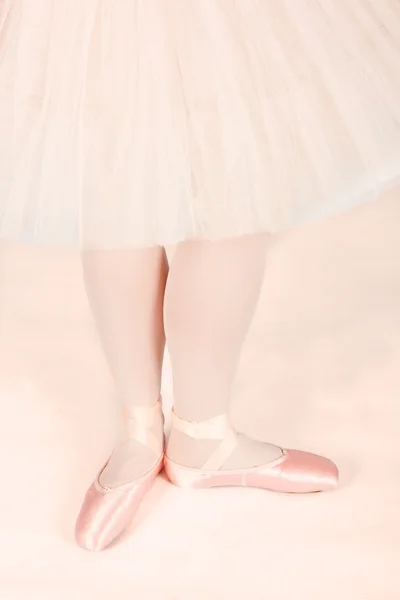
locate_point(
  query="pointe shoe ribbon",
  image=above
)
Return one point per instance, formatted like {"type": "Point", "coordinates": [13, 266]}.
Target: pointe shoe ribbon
{"type": "Point", "coordinates": [218, 428]}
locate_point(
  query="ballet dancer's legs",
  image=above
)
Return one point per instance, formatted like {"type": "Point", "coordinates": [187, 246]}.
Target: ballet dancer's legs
{"type": "Point", "coordinates": [213, 290]}
{"type": "Point", "coordinates": [212, 293]}
{"type": "Point", "coordinates": [126, 294]}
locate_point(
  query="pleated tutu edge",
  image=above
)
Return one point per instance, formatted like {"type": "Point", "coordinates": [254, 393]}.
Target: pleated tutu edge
{"type": "Point", "coordinates": [134, 124]}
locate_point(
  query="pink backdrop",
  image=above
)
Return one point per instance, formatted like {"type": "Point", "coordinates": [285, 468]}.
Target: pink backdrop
{"type": "Point", "coordinates": [321, 371]}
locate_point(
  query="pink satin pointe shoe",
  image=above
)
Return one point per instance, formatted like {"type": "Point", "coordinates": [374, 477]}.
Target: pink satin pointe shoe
{"type": "Point", "coordinates": [293, 472]}
{"type": "Point", "coordinates": [107, 511]}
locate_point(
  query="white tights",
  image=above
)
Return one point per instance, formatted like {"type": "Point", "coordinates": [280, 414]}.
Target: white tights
{"type": "Point", "coordinates": [207, 300]}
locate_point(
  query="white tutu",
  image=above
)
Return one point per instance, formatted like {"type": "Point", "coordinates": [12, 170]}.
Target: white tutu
{"type": "Point", "coordinates": [142, 122]}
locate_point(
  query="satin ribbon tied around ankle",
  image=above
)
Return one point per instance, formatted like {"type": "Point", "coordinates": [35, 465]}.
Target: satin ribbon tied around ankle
{"type": "Point", "coordinates": [138, 424]}
{"type": "Point", "coordinates": [218, 428]}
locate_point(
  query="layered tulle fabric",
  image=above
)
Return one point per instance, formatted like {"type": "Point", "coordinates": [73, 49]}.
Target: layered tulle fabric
{"type": "Point", "coordinates": [141, 122]}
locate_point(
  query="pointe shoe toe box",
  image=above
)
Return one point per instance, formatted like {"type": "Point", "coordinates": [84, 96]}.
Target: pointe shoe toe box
{"type": "Point", "coordinates": [105, 514]}
{"type": "Point", "coordinates": [300, 472]}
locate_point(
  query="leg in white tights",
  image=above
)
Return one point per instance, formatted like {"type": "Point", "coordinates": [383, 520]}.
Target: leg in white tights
{"type": "Point", "coordinates": [126, 294]}
{"type": "Point", "coordinates": [212, 293]}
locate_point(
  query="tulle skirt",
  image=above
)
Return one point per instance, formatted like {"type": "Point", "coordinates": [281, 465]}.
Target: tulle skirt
{"type": "Point", "coordinates": [147, 122]}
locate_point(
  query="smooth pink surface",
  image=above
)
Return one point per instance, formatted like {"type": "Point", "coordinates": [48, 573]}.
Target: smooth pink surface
{"type": "Point", "coordinates": [106, 513]}
{"type": "Point", "coordinates": [296, 472]}
{"type": "Point", "coordinates": [320, 372]}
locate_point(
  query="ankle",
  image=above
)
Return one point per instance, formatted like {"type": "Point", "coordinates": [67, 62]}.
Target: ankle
{"type": "Point", "coordinates": [189, 452]}
{"type": "Point", "coordinates": [197, 412]}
